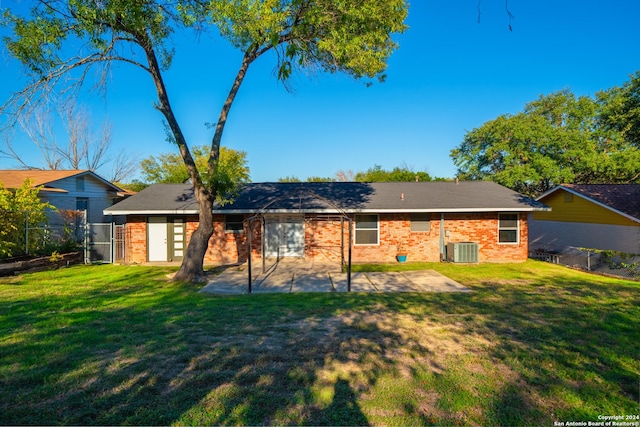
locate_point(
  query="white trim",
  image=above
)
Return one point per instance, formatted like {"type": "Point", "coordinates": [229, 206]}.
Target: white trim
{"type": "Point", "coordinates": [321, 211]}
{"type": "Point", "coordinates": [355, 231]}
{"type": "Point", "coordinates": [371, 211]}
{"type": "Point", "coordinates": [151, 212]}
{"type": "Point", "coordinates": [517, 229]}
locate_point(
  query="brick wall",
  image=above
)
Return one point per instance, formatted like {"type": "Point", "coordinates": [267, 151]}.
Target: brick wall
{"type": "Point", "coordinates": [395, 233]}
{"type": "Point", "coordinates": [136, 235]}
{"type": "Point", "coordinates": [323, 239]}
{"type": "Point", "coordinates": [482, 228]}
{"type": "Point", "coordinates": [226, 248]}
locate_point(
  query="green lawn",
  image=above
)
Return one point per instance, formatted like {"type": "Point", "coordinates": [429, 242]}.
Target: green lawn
{"type": "Point", "coordinates": [532, 344]}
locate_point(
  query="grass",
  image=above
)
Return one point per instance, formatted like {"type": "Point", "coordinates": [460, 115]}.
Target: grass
{"type": "Point", "coordinates": [532, 344]}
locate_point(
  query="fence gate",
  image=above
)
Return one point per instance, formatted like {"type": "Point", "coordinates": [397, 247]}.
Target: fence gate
{"type": "Point", "coordinates": [120, 242]}
{"type": "Point", "coordinates": [98, 244]}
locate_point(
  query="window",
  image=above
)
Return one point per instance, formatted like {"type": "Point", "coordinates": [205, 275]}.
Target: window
{"type": "Point", "coordinates": [366, 229]}
{"type": "Point", "coordinates": [421, 222]}
{"type": "Point", "coordinates": [234, 223]}
{"type": "Point", "coordinates": [82, 204]}
{"type": "Point", "coordinates": [508, 231]}
{"type": "Point", "coordinates": [568, 197]}
{"type": "Point", "coordinates": [80, 183]}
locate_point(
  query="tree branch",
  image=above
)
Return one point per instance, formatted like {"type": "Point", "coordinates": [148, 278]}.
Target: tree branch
{"type": "Point", "coordinates": [164, 106]}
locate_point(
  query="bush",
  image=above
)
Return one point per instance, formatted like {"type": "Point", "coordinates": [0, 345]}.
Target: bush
{"type": "Point", "coordinates": [18, 208]}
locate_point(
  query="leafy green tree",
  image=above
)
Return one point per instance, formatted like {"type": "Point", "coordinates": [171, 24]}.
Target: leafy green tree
{"type": "Point", "coordinates": [622, 109]}
{"type": "Point", "coordinates": [397, 174]}
{"type": "Point", "coordinates": [17, 207]}
{"type": "Point", "coordinates": [309, 179]}
{"type": "Point", "coordinates": [556, 139]}
{"type": "Point", "coordinates": [291, 178]}
{"type": "Point", "coordinates": [170, 168]}
{"type": "Point", "coordinates": [373, 174]}
{"type": "Point", "coordinates": [351, 36]}
{"type": "Point", "coordinates": [135, 185]}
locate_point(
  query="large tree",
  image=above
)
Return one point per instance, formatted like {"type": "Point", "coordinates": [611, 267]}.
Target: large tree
{"type": "Point", "coordinates": [621, 110]}
{"type": "Point", "coordinates": [559, 138]}
{"type": "Point", "coordinates": [373, 174]}
{"type": "Point", "coordinates": [350, 36]}
{"type": "Point", "coordinates": [169, 168]}
{"type": "Point", "coordinates": [397, 174]}
{"type": "Point", "coordinates": [81, 148]}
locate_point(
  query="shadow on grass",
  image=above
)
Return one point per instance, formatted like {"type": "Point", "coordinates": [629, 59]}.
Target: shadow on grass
{"type": "Point", "coordinates": [159, 354]}
{"type": "Point", "coordinates": [134, 349]}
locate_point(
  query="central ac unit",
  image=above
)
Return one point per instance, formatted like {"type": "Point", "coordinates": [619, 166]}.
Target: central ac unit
{"type": "Point", "coordinates": [462, 252]}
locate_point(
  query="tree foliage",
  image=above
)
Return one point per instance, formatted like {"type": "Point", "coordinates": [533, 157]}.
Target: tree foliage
{"type": "Point", "coordinates": [397, 174]}
{"type": "Point", "coordinates": [621, 109]}
{"type": "Point", "coordinates": [66, 38]}
{"type": "Point", "coordinates": [558, 138]}
{"type": "Point", "coordinates": [373, 174]}
{"type": "Point", "coordinates": [17, 208]}
{"type": "Point", "coordinates": [169, 168]}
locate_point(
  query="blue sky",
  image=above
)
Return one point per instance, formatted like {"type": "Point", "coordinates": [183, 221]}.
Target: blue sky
{"type": "Point", "coordinates": [450, 74]}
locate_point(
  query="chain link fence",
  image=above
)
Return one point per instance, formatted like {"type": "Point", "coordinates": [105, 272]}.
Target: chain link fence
{"type": "Point", "coordinates": [594, 260]}
{"type": "Point", "coordinates": [30, 233]}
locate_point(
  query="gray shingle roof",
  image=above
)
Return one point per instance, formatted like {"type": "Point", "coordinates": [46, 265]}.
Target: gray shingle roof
{"type": "Point", "coordinates": [158, 198]}
{"type": "Point", "coordinates": [471, 196]}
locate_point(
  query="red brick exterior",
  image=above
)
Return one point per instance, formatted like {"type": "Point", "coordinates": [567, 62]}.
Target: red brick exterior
{"type": "Point", "coordinates": [323, 237]}
{"type": "Point", "coordinates": [136, 239]}
{"type": "Point", "coordinates": [483, 229]}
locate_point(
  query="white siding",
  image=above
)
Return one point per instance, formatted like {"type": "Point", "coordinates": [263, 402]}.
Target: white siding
{"type": "Point", "coordinates": [555, 235]}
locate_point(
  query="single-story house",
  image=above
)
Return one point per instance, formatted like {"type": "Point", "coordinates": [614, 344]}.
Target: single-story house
{"type": "Point", "coordinates": [598, 216]}
{"type": "Point", "coordinates": [462, 221]}
{"type": "Point", "coordinates": [80, 190]}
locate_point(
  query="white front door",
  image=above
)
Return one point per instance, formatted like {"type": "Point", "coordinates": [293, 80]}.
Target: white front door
{"type": "Point", "coordinates": [284, 236]}
{"type": "Point", "coordinates": [157, 232]}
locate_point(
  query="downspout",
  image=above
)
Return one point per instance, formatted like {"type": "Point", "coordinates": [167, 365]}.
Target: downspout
{"type": "Point", "coordinates": [442, 247]}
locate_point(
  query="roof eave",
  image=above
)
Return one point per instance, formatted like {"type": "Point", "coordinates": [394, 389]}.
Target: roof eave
{"type": "Point", "coordinates": [333, 211]}
{"type": "Point", "coordinates": [152, 212]}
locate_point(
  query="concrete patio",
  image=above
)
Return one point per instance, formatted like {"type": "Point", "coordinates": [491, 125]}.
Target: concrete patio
{"type": "Point", "coordinates": [298, 275]}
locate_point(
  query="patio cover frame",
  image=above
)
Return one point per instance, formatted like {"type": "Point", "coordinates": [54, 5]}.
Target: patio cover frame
{"type": "Point", "coordinates": [341, 214]}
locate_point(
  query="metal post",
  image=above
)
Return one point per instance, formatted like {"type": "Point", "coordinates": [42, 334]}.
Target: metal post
{"type": "Point", "coordinates": [86, 237]}
{"type": "Point", "coordinates": [341, 243]}
{"type": "Point", "coordinates": [249, 254]}
{"type": "Point", "coordinates": [349, 266]}
{"type": "Point", "coordinates": [26, 232]}
{"type": "Point", "coordinates": [113, 242]}
{"type": "Point", "coordinates": [263, 244]}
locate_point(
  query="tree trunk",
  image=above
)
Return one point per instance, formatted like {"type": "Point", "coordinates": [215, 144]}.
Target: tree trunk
{"type": "Point", "coordinates": [192, 268]}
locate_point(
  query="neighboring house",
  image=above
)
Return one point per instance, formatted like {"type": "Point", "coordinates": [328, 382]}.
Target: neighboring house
{"type": "Point", "coordinates": [317, 220]}
{"type": "Point", "coordinates": [69, 190]}
{"type": "Point", "coordinates": [600, 216]}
